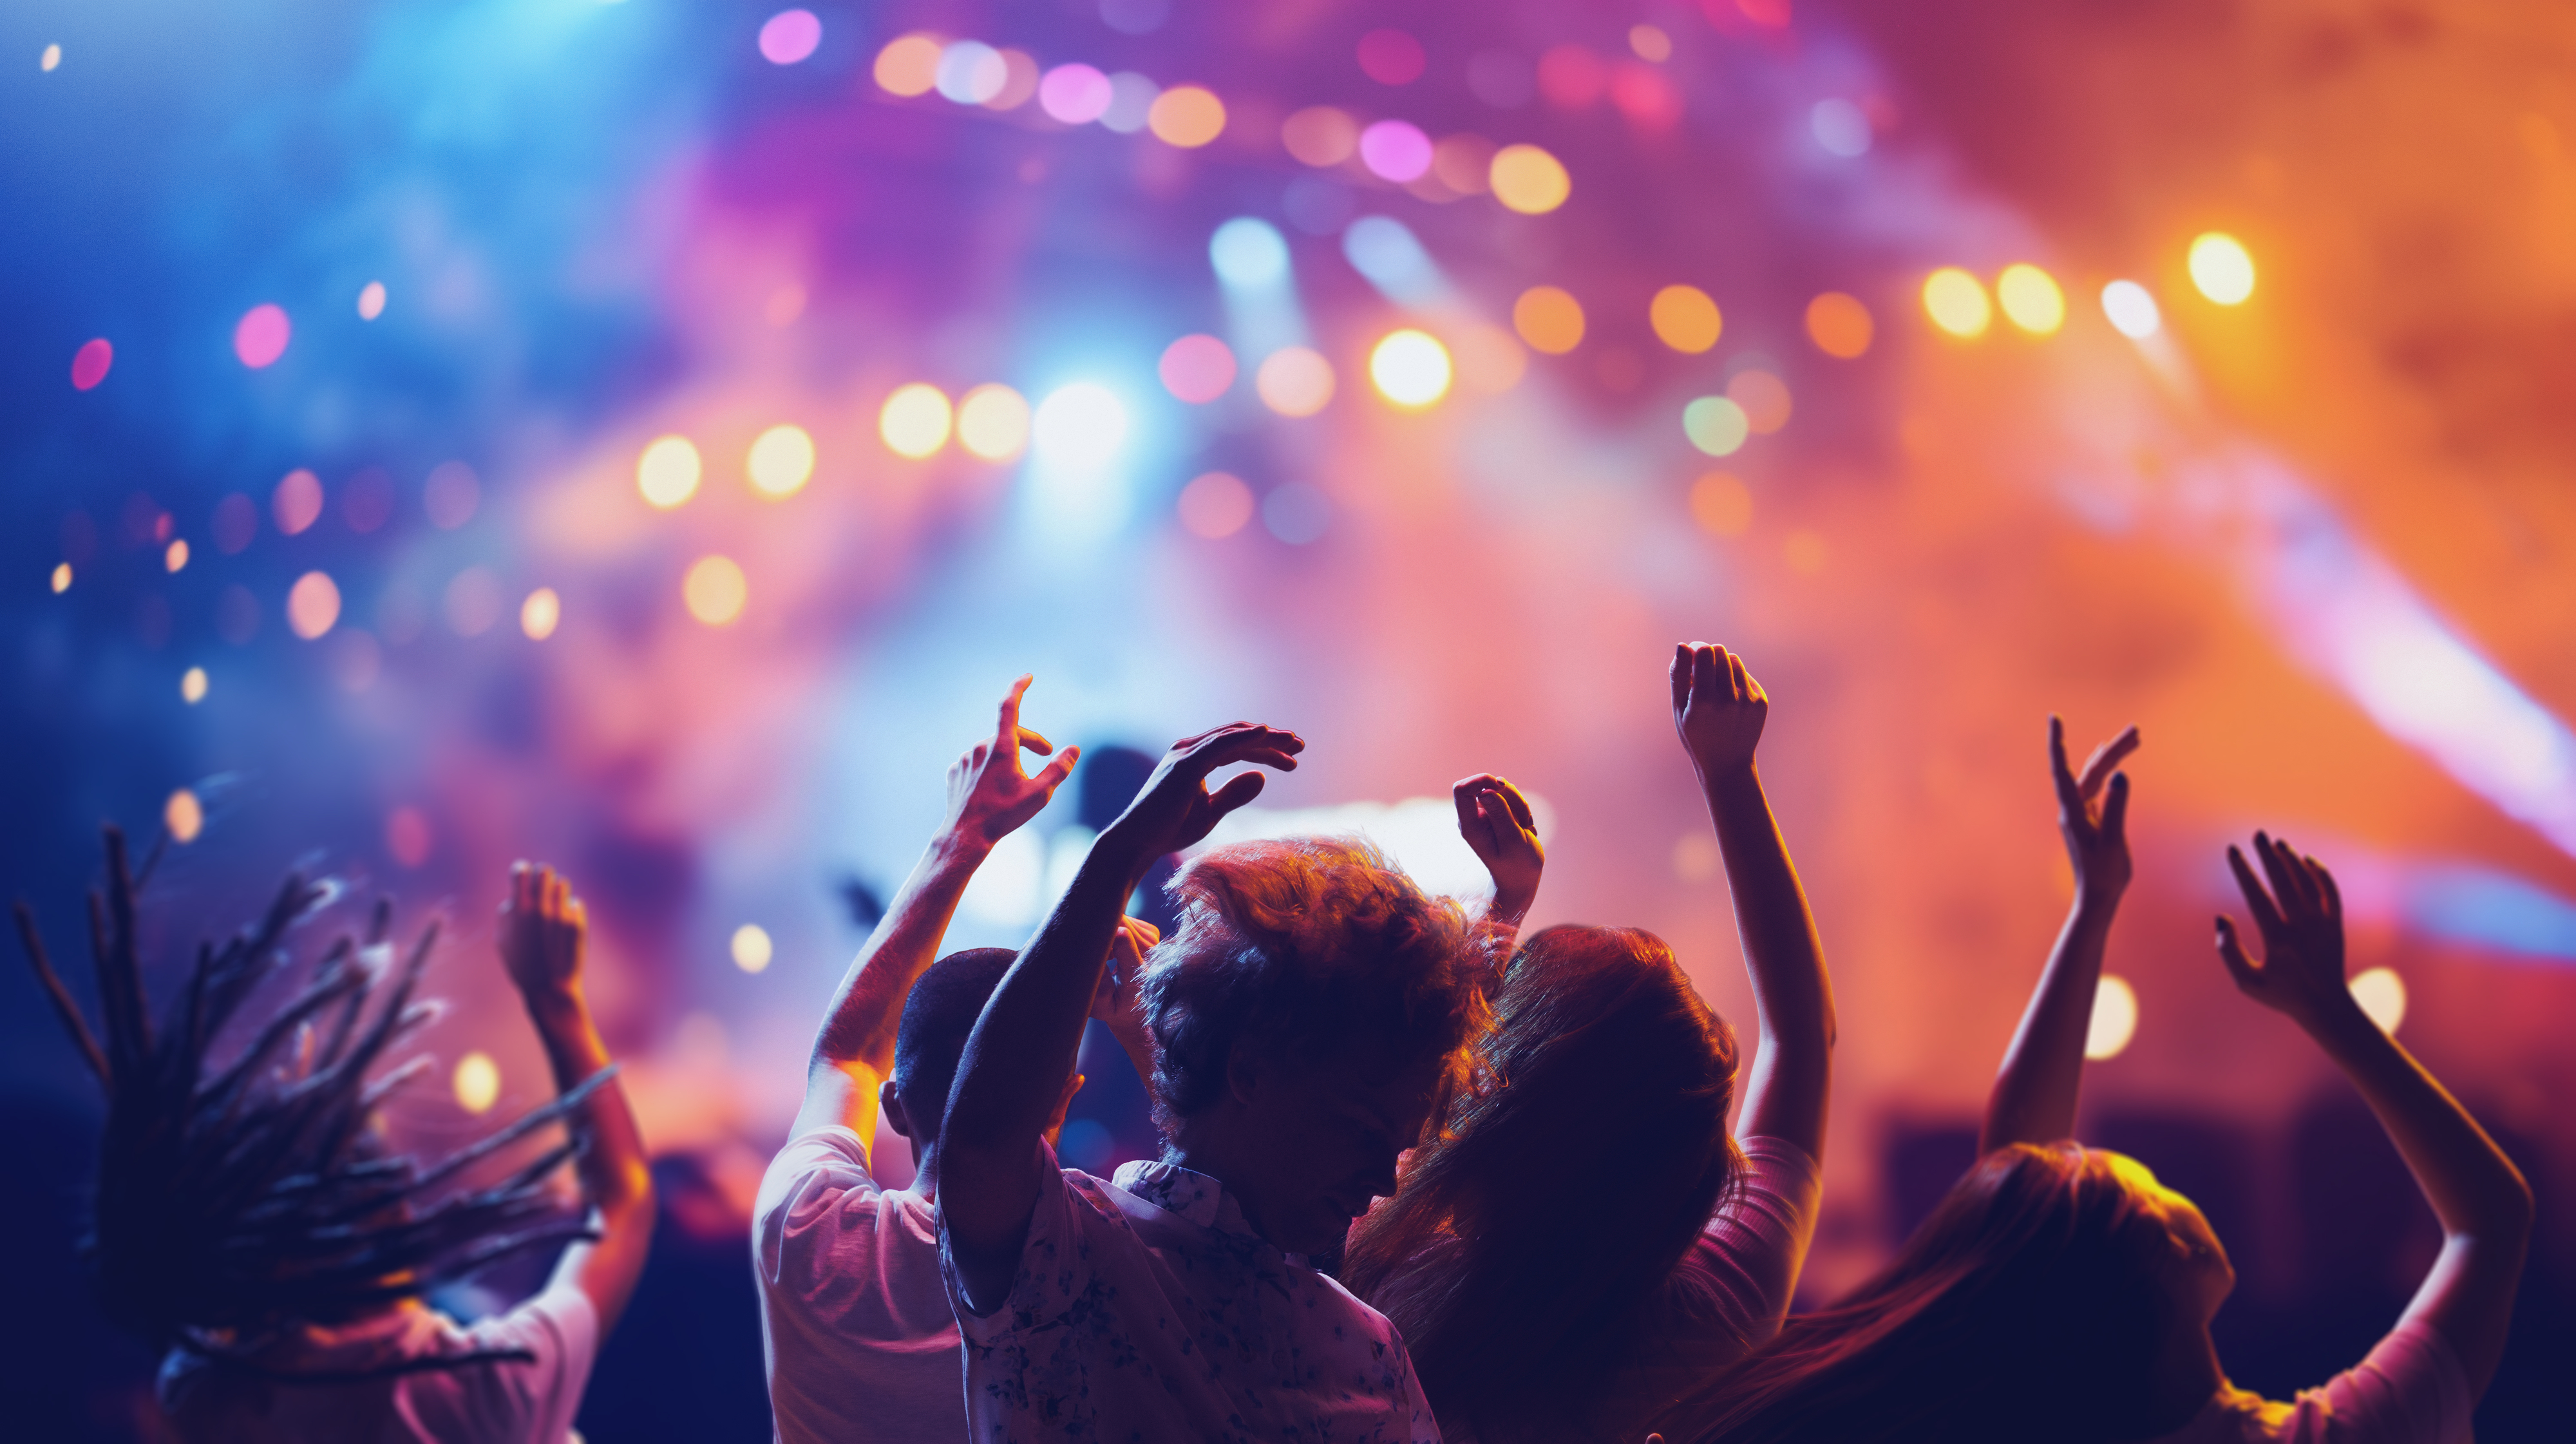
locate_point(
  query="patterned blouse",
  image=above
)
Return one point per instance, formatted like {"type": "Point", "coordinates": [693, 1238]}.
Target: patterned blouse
{"type": "Point", "coordinates": [1146, 1309]}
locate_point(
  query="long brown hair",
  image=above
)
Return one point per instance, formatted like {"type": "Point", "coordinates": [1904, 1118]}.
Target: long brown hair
{"type": "Point", "coordinates": [1605, 1064]}
{"type": "Point", "coordinates": [2028, 1306]}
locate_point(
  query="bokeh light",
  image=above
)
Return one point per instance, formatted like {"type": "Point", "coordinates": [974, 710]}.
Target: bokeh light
{"type": "Point", "coordinates": [50, 58]}
{"type": "Point", "coordinates": [1395, 150]}
{"type": "Point", "coordinates": [1197, 369]}
{"type": "Point", "coordinates": [668, 471]}
{"type": "Point", "coordinates": [1762, 396]}
{"type": "Point", "coordinates": [1187, 116]}
{"type": "Point", "coordinates": [1320, 135]}
{"type": "Point", "coordinates": [2031, 299]}
{"type": "Point", "coordinates": [1464, 163]}
{"type": "Point", "coordinates": [540, 614]}
{"type": "Point", "coordinates": [1650, 42]}
{"type": "Point", "coordinates": [1839, 126]}
{"type": "Point", "coordinates": [751, 947]}
{"type": "Point", "coordinates": [1020, 76]}
{"type": "Point", "coordinates": [1722, 504]}
{"type": "Point", "coordinates": [297, 502]}
{"type": "Point", "coordinates": [473, 602]}
{"type": "Point", "coordinates": [408, 837]}
{"type": "Point", "coordinates": [2222, 268]}
{"type": "Point", "coordinates": [1550, 320]}
{"type": "Point", "coordinates": [1075, 94]}
{"type": "Point", "coordinates": [1131, 102]}
{"type": "Point", "coordinates": [1685, 319]}
{"type": "Point", "coordinates": [1490, 359]}
{"type": "Point", "coordinates": [2115, 1018]}
{"type": "Point", "coordinates": [90, 363]}
{"type": "Point", "coordinates": [1410, 368]}
{"type": "Point", "coordinates": [1715, 425]}
{"type": "Point", "coordinates": [174, 557]}
{"type": "Point", "coordinates": [789, 36]}
{"type": "Point", "coordinates": [1249, 254]}
{"type": "Point", "coordinates": [1079, 426]}
{"type": "Point", "coordinates": [1215, 505]}
{"type": "Point", "coordinates": [183, 816]}
{"type": "Point", "coordinates": [1391, 57]}
{"type": "Point", "coordinates": [993, 422]}
{"type": "Point", "coordinates": [2382, 996]}
{"type": "Point", "coordinates": [715, 590]}
{"type": "Point", "coordinates": [1294, 381]}
{"type": "Point", "coordinates": [1529, 180]}
{"type": "Point", "coordinates": [261, 335]}
{"type": "Point", "coordinates": [2132, 310]}
{"type": "Point", "coordinates": [62, 577]}
{"type": "Point", "coordinates": [312, 605]}
{"type": "Point", "coordinates": [915, 420]}
{"type": "Point", "coordinates": [477, 1081]}
{"type": "Point", "coordinates": [451, 495]}
{"type": "Point", "coordinates": [192, 686]}
{"type": "Point", "coordinates": [1839, 325]}
{"type": "Point", "coordinates": [781, 461]}
{"type": "Point", "coordinates": [371, 300]}
{"type": "Point", "coordinates": [1957, 302]}
{"type": "Point", "coordinates": [971, 72]}
{"type": "Point", "coordinates": [908, 65]}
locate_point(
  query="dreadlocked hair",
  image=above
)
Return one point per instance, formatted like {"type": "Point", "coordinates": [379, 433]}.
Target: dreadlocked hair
{"type": "Point", "coordinates": [232, 1201]}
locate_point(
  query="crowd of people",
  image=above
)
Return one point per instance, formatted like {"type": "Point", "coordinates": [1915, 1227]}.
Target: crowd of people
{"type": "Point", "coordinates": [1420, 1177]}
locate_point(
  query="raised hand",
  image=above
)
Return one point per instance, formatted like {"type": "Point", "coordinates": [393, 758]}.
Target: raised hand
{"type": "Point", "coordinates": [989, 797]}
{"type": "Point", "coordinates": [1122, 980]}
{"type": "Point", "coordinates": [1175, 809]}
{"type": "Point", "coordinates": [2301, 920]}
{"type": "Point", "coordinates": [2097, 840]}
{"type": "Point", "coordinates": [1717, 708]}
{"type": "Point", "coordinates": [1499, 828]}
{"type": "Point", "coordinates": [541, 931]}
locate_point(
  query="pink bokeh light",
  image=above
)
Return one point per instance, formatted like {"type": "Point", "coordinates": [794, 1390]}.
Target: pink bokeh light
{"type": "Point", "coordinates": [90, 363]}
{"type": "Point", "coordinates": [1197, 369]}
{"type": "Point", "coordinates": [262, 334]}
{"type": "Point", "coordinates": [790, 36]}
{"type": "Point", "coordinates": [1075, 94]}
{"type": "Point", "coordinates": [1395, 150]}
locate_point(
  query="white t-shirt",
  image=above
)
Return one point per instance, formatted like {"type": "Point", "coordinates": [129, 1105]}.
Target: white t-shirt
{"type": "Point", "coordinates": [1146, 1308]}
{"type": "Point", "coordinates": [2411, 1390]}
{"type": "Point", "coordinates": [854, 1317]}
{"type": "Point", "coordinates": [499, 1401]}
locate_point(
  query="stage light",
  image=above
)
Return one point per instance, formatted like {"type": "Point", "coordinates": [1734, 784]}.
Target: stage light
{"type": "Point", "coordinates": [1957, 303]}
{"type": "Point", "coordinates": [192, 686]}
{"type": "Point", "coordinates": [1215, 505]}
{"type": "Point", "coordinates": [1395, 150]}
{"type": "Point", "coordinates": [371, 300]}
{"type": "Point", "coordinates": [1186, 116]}
{"type": "Point", "coordinates": [477, 1082]}
{"type": "Point", "coordinates": [540, 614]}
{"type": "Point", "coordinates": [993, 422]}
{"type": "Point", "coordinates": [909, 65]}
{"type": "Point", "coordinates": [915, 420]}
{"type": "Point", "coordinates": [261, 335]}
{"type": "Point", "coordinates": [62, 577]}
{"type": "Point", "coordinates": [1079, 427]}
{"type": "Point", "coordinates": [1763, 397]}
{"type": "Point", "coordinates": [2031, 299]}
{"type": "Point", "coordinates": [407, 836]}
{"type": "Point", "coordinates": [2115, 1018]}
{"type": "Point", "coordinates": [2382, 996]}
{"type": "Point", "coordinates": [1131, 102]}
{"type": "Point", "coordinates": [473, 602]}
{"type": "Point", "coordinates": [667, 473]}
{"type": "Point", "coordinates": [174, 557]}
{"type": "Point", "coordinates": [751, 947]}
{"type": "Point", "coordinates": [2132, 310]}
{"type": "Point", "coordinates": [788, 37]}
{"type": "Point", "coordinates": [1529, 180]}
{"type": "Point", "coordinates": [90, 363]}
{"type": "Point", "coordinates": [1548, 319]}
{"type": "Point", "coordinates": [971, 72]}
{"type": "Point", "coordinates": [1382, 249]}
{"type": "Point", "coordinates": [1685, 319]}
{"type": "Point", "coordinates": [2222, 268]}
{"type": "Point", "coordinates": [1839, 325]}
{"type": "Point", "coordinates": [1410, 368]}
{"type": "Point", "coordinates": [1249, 254]}
{"type": "Point", "coordinates": [1715, 425]}
{"type": "Point", "coordinates": [1019, 81]}
{"type": "Point", "coordinates": [715, 590]}
{"type": "Point", "coordinates": [1722, 505]}
{"type": "Point", "coordinates": [781, 461]}
{"type": "Point", "coordinates": [1841, 127]}
{"type": "Point", "coordinates": [1294, 381]}
{"type": "Point", "coordinates": [1197, 369]}
{"type": "Point", "coordinates": [312, 605]}
{"type": "Point", "coordinates": [1320, 135]}
{"type": "Point", "coordinates": [183, 816]}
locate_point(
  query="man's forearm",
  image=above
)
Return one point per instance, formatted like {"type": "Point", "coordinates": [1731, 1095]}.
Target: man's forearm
{"type": "Point", "coordinates": [861, 1022]}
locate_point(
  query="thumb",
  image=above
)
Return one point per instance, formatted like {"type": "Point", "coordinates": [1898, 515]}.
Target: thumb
{"type": "Point", "coordinates": [1052, 776]}
{"type": "Point", "coordinates": [1236, 793]}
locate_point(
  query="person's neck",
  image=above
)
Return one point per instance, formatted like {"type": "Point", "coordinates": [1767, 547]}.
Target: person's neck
{"type": "Point", "coordinates": [925, 1173]}
{"type": "Point", "coordinates": [2188, 1376]}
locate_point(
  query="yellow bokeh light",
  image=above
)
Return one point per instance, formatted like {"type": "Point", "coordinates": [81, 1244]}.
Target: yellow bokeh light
{"type": "Point", "coordinates": [175, 557]}
{"type": "Point", "coordinates": [715, 590]}
{"type": "Point", "coordinates": [1685, 318]}
{"type": "Point", "coordinates": [2222, 268]}
{"type": "Point", "coordinates": [2382, 996]}
{"type": "Point", "coordinates": [914, 421]}
{"type": "Point", "coordinates": [909, 65]}
{"type": "Point", "coordinates": [1410, 368]}
{"type": "Point", "coordinates": [1294, 381]}
{"type": "Point", "coordinates": [668, 471]}
{"type": "Point", "coordinates": [781, 461]}
{"type": "Point", "coordinates": [312, 605]}
{"type": "Point", "coordinates": [192, 686]}
{"type": "Point", "coordinates": [2115, 1018]}
{"type": "Point", "coordinates": [62, 577]}
{"type": "Point", "coordinates": [1529, 180]}
{"type": "Point", "coordinates": [184, 816]}
{"type": "Point", "coordinates": [1957, 303]}
{"type": "Point", "coordinates": [751, 947]}
{"type": "Point", "coordinates": [540, 614]}
{"type": "Point", "coordinates": [993, 422]}
{"type": "Point", "coordinates": [1187, 116]}
{"type": "Point", "coordinates": [2031, 299]}
{"type": "Point", "coordinates": [1722, 504]}
{"type": "Point", "coordinates": [477, 1082]}
{"type": "Point", "coordinates": [1548, 319]}
{"type": "Point", "coordinates": [1839, 325]}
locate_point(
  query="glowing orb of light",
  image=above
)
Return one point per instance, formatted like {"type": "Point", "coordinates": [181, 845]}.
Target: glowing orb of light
{"type": "Point", "coordinates": [1722, 504]}
{"type": "Point", "coordinates": [668, 471]}
{"type": "Point", "coordinates": [1957, 303]}
{"type": "Point", "coordinates": [972, 72]}
{"type": "Point", "coordinates": [407, 836]}
{"type": "Point", "coordinates": [715, 590]}
{"type": "Point", "coordinates": [1131, 102]}
{"type": "Point", "coordinates": [1685, 318]}
{"type": "Point", "coordinates": [789, 36]}
{"type": "Point", "coordinates": [2222, 268]}
{"type": "Point", "coordinates": [1249, 254]}
{"type": "Point", "coordinates": [1395, 150]}
{"type": "Point", "coordinates": [2115, 1018]}
{"type": "Point", "coordinates": [1650, 42]}
{"type": "Point", "coordinates": [1529, 180]}
{"type": "Point", "coordinates": [1215, 505]}
{"type": "Point", "coordinates": [1320, 135]}
{"type": "Point", "coordinates": [993, 422]}
{"type": "Point", "coordinates": [1186, 116]}
{"type": "Point", "coordinates": [52, 56]}
{"type": "Point", "coordinates": [1715, 425]}
{"type": "Point", "coordinates": [1550, 320]}
{"type": "Point", "coordinates": [297, 502]}
{"type": "Point", "coordinates": [184, 816]}
{"type": "Point", "coordinates": [62, 577]}
{"type": "Point", "coordinates": [1391, 57]}
{"type": "Point", "coordinates": [473, 602]}
{"type": "Point", "coordinates": [1841, 127]}
{"type": "Point", "coordinates": [1764, 398]}
{"type": "Point", "coordinates": [751, 947]}
{"type": "Point", "coordinates": [1075, 94]}
{"type": "Point", "coordinates": [2031, 299]}
{"type": "Point", "coordinates": [915, 420]}
{"type": "Point", "coordinates": [175, 556]}
{"type": "Point", "coordinates": [2382, 996]}
{"type": "Point", "coordinates": [371, 300]}
{"type": "Point", "coordinates": [192, 686]}
{"type": "Point", "coordinates": [1294, 381]}
{"type": "Point", "coordinates": [261, 335]}
{"type": "Point", "coordinates": [1079, 426]}
{"type": "Point", "coordinates": [450, 495]}
{"type": "Point", "coordinates": [312, 605]}
{"type": "Point", "coordinates": [1410, 368]}
{"type": "Point", "coordinates": [1839, 325]}
{"type": "Point", "coordinates": [540, 614]}
{"type": "Point", "coordinates": [2132, 310]}
{"type": "Point", "coordinates": [781, 461]}
{"type": "Point", "coordinates": [478, 1079]}
{"type": "Point", "coordinates": [90, 363]}
{"type": "Point", "coordinates": [908, 66]}
{"type": "Point", "coordinates": [1197, 369]}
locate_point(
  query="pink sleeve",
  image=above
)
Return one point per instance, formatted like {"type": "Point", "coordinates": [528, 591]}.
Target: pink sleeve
{"type": "Point", "coordinates": [801, 1213]}
{"type": "Point", "coordinates": [1756, 1242]}
{"type": "Point", "coordinates": [2411, 1390]}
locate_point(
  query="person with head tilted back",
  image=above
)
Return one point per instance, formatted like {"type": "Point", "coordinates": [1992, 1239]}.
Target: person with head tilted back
{"type": "Point", "coordinates": [2059, 1293]}
{"type": "Point", "coordinates": [1538, 1314]}
{"type": "Point", "coordinates": [249, 1221]}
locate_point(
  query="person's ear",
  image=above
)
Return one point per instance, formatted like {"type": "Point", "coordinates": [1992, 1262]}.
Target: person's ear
{"type": "Point", "coordinates": [1244, 1072]}
{"type": "Point", "coordinates": [1055, 1120]}
{"type": "Point", "coordinates": [892, 1103]}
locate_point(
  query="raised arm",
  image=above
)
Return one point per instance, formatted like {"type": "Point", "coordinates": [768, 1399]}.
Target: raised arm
{"type": "Point", "coordinates": [1117, 1001]}
{"type": "Point", "coordinates": [541, 933]}
{"type": "Point", "coordinates": [988, 799]}
{"type": "Point", "coordinates": [1719, 710]}
{"type": "Point", "coordinates": [1024, 1044]}
{"type": "Point", "coordinates": [2484, 1206]}
{"type": "Point", "coordinates": [2033, 1100]}
{"type": "Point", "coordinates": [1501, 830]}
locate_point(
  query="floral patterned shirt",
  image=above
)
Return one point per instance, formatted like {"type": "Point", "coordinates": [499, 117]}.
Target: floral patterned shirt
{"type": "Point", "coordinates": [1146, 1309]}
